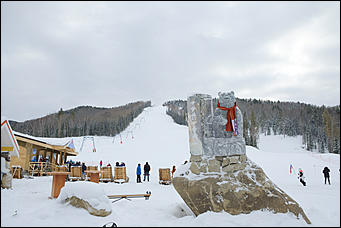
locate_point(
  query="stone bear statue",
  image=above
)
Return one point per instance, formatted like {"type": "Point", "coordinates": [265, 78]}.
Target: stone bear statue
{"type": "Point", "coordinates": [207, 124]}
{"type": "Point", "coordinates": [216, 125]}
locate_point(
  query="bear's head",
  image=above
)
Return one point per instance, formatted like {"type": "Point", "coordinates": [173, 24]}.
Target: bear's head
{"type": "Point", "coordinates": [227, 99]}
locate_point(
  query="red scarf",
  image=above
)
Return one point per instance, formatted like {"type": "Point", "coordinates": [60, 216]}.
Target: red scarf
{"type": "Point", "coordinates": [230, 115]}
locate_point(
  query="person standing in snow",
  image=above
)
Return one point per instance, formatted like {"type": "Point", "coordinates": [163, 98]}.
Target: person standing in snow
{"type": "Point", "coordinates": [173, 170]}
{"type": "Point", "coordinates": [138, 173]}
{"type": "Point", "coordinates": [146, 170]}
{"type": "Point", "coordinates": [301, 177]}
{"type": "Point", "coordinates": [69, 165]}
{"type": "Point", "coordinates": [326, 175]}
{"type": "Point", "coordinates": [100, 164]}
{"type": "Point", "coordinates": [83, 169]}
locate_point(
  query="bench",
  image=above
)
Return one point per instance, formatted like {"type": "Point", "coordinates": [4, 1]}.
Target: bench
{"type": "Point", "coordinates": [119, 197]}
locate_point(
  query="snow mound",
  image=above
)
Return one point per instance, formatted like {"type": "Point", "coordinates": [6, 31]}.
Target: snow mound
{"type": "Point", "coordinates": [91, 192]}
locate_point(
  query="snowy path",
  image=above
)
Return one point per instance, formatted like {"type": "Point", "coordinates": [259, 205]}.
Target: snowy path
{"type": "Point", "coordinates": [161, 142]}
{"type": "Point", "coordinates": [152, 137]}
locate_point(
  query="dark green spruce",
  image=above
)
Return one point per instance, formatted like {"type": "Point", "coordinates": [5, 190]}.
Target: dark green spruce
{"type": "Point", "coordinates": [81, 121]}
{"type": "Point", "coordinates": [318, 125]}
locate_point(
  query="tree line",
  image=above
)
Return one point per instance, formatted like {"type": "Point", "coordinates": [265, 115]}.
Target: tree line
{"type": "Point", "coordinates": [318, 125]}
{"type": "Point", "coordinates": [82, 120]}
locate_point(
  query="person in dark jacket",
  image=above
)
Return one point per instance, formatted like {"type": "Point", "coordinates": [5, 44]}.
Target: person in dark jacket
{"type": "Point", "coordinates": [326, 175]}
{"type": "Point", "coordinates": [301, 177]}
{"type": "Point", "coordinates": [83, 168]}
{"type": "Point", "coordinates": [146, 170]}
{"type": "Point", "coordinates": [69, 165]}
{"type": "Point", "coordinates": [138, 173]}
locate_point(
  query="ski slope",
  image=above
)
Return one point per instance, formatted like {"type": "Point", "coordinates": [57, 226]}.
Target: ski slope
{"type": "Point", "coordinates": [154, 137]}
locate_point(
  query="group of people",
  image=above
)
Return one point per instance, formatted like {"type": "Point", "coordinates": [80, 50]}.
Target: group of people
{"type": "Point", "coordinates": [325, 172]}
{"type": "Point", "coordinates": [146, 169]}
{"type": "Point", "coordinates": [109, 165]}
{"type": "Point", "coordinates": [146, 172]}
{"type": "Point", "coordinates": [118, 164]}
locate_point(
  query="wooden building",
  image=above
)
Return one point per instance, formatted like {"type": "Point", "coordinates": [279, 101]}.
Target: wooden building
{"type": "Point", "coordinates": [32, 149]}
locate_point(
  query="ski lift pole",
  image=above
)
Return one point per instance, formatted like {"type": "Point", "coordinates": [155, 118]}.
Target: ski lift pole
{"type": "Point", "coordinates": [93, 143]}
{"type": "Point", "coordinates": [82, 144]}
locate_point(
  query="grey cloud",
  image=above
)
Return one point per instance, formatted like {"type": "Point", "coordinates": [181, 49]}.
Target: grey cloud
{"type": "Point", "coordinates": [112, 53]}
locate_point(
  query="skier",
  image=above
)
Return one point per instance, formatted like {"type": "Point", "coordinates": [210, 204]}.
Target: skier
{"type": "Point", "coordinates": [326, 175]}
{"type": "Point", "coordinates": [138, 173]}
{"type": "Point", "coordinates": [301, 177]}
{"type": "Point", "coordinates": [146, 170]}
{"type": "Point", "coordinates": [100, 164]}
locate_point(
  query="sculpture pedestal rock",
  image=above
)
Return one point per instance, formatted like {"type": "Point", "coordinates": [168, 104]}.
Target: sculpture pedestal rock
{"type": "Point", "coordinates": [219, 175]}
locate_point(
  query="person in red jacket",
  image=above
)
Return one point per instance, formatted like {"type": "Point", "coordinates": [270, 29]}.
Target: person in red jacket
{"type": "Point", "coordinates": [301, 177]}
{"type": "Point", "coordinates": [173, 170]}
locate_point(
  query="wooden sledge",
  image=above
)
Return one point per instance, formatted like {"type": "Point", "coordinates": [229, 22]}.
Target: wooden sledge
{"type": "Point", "coordinates": [106, 174]}
{"type": "Point", "coordinates": [120, 175]}
{"type": "Point", "coordinates": [164, 176]}
{"type": "Point", "coordinates": [76, 173]}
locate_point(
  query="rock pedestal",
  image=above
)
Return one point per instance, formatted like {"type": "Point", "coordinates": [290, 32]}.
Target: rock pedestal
{"type": "Point", "coordinates": [219, 175]}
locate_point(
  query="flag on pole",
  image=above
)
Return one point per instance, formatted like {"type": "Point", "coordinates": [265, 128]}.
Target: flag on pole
{"type": "Point", "coordinates": [71, 144]}
{"type": "Point", "coordinates": [291, 167]}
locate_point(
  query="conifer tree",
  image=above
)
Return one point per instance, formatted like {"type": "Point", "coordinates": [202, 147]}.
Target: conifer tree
{"type": "Point", "coordinates": [254, 130]}
{"type": "Point", "coordinates": [246, 129]}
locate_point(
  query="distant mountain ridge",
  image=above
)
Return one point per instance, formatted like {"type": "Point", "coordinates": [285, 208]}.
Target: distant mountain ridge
{"type": "Point", "coordinates": [319, 125]}
{"type": "Point", "coordinates": [82, 120]}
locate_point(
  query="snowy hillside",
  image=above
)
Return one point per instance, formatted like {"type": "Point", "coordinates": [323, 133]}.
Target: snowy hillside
{"type": "Point", "coordinates": [154, 137]}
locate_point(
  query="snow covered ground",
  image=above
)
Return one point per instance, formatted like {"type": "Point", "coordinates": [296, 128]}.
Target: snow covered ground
{"type": "Point", "coordinates": [154, 137]}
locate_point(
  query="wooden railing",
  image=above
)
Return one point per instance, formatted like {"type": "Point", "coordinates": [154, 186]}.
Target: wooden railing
{"type": "Point", "coordinates": [41, 168]}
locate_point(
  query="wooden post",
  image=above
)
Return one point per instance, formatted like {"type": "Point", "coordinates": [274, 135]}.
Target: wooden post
{"type": "Point", "coordinates": [58, 182]}
{"type": "Point", "coordinates": [65, 156]}
{"type": "Point", "coordinates": [60, 158]}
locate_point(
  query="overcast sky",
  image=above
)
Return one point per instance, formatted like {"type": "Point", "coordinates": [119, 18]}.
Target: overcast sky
{"type": "Point", "coordinates": [66, 54]}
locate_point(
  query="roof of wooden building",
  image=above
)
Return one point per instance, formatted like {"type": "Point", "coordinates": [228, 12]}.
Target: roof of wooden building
{"type": "Point", "coordinates": [60, 144]}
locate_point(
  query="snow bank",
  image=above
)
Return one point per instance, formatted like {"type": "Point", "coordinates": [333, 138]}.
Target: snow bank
{"type": "Point", "coordinates": [91, 192]}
